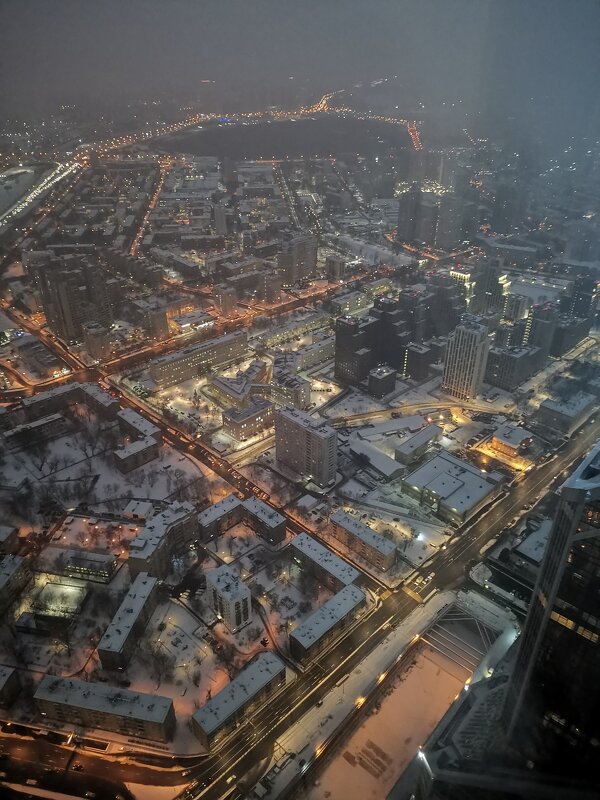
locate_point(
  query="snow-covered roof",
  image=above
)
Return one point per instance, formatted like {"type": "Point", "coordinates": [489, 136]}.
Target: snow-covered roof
{"type": "Point", "coordinates": [138, 509]}
{"type": "Point", "coordinates": [139, 446]}
{"type": "Point", "coordinates": [178, 355]}
{"type": "Point", "coordinates": [326, 617]}
{"type": "Point", "coordinates": [458, 483]}
{"type": "Point", "coordinates": [227, 582]}
{"type": "Point", "coordinates": [533, 546]}
{"type": "Point", "coordinates": [317, 425]}
{"type": "Point", "coordinates": [137, 421]}
{"type": "Point", "coordinates": [572, 407]}
{"type": "Point", "coordinates": [512, 435]}
{"type": "Point", "coordinates": [217, 510]}
{"type": "Point", "coordinates": [266, 515]}
{"type": "Point", "coordinates": [259, 406]}
{"type": "Point", "coordinates": [153, 532]}
{"type": "Point", "coordinates": [380, 462]}
{"type": "Point", "coordinates": [412, 443]}
{"type": "Point", "coordinates": [99, 395]}
{"type": "Point", "coordinates": [358, 528]}
{"type": "Point", "coordinates": [104, 699]}
{"type": "Point", "coordinates": [6, 531]}
{"type": "Point", "coordinates": [324, 558]}
{"type": "Point", "coordinates": [251, 680]}
{"type": "Point", "coordinates": [128, 613]}
{"type": "Point", "coordinates": [63, 389]}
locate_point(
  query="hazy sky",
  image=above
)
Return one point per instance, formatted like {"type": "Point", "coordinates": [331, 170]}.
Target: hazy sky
{"type": "Point", "coordinates": [509, 55]}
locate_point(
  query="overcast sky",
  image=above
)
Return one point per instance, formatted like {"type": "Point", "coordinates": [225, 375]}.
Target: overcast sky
{"type": "Point", "coordinates": [516, 56]}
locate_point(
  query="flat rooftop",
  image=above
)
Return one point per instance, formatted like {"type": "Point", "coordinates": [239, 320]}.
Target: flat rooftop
{"type": "Point", "coordinates": [326, 617]}
{"type": "Point", "coordinates": [325, 558]}
{"type": "Point", "coordinates": [418, 439]}
{"type": "Point", "coordinates": [227, 582]}
{"type": "Point", "coordinates": [137, 421]}
{"type": "Point", "coordinates": [128, 613]}
{"type": "Point", "coordinates": [104, 699]}
{"type": "Point", "coordinates": [572, 407]}
{"type": "Point", "coordinates": [461, 485]}
{"type": "Point", "coordinates": [251, 680]}
{"type": "Point", "coordinates": [358, 528]}
{"type": "Point", "coordinates": [512, 435]}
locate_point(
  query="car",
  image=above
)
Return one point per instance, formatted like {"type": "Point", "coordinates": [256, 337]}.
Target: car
{"type": "Point", "coordinates": [78, 767]}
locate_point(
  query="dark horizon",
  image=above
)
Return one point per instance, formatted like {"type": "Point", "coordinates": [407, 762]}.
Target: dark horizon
{"type": "Point", "coordinates": [538, 64]}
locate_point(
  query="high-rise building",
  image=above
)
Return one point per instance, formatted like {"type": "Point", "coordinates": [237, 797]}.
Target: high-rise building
{"type": "Point", "coordinates": [408, 213]}
{"type": "Point", "coordinates": [427, 219]}
{"type": "Point", "coordinates": [532, 729]}
{"type": "Point", "coordinates": [466, 359]}
{"type": "Point", "coordinates": [306, 444]}
{"type": "Point", "coordinates": [509, 207]}
{"type": "Point", "coordinates": [582, 300]}
{"type": "Point", "coordinates": [492, 286]}
{"type": "Point", "coordinates": [450, 222]}
{"type": "Point", "coordinates": [73, 292]}
{"type": "Point", "coordinates": [297, 257]}
{"type": "Point", "coordinates": [335, 267]}
{"type": "Point", "coordinates": [225, 299]}
{"type": "Point", "coordinates": [446, 304]}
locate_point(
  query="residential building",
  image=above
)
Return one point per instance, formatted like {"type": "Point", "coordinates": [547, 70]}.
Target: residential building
{"type": "Point", "coordinates": [14, 576]}
{"type": "Point", "coordinates": [131, 423]}
{"type": "Point", "coordinates": [566, 416]}
{"type": "Point", "coordinates": [220, 517]}
{"type": "Point", "coordinates": [244, 423]}
{"type": "Point", "coordinates": [326, 624]}
{"type": "Point", "coordinates": [297, 258]}
{"type": "Point", "coordinates": [229, 597]}
{"type": "Point", "coordinates": [182, 365]}
{"type": "Point", "coordinates": [109, 708]}
{"type": "Point", "coordinates": [414, 447]}
{"type": "Point", "coordinates": [255, 684]}
{"type": "Point", "coordinates": [122, 635]}
{"type": "Point", "coordinates": [164, 535]}
{"type": "Point", "coordinates": [466, 359]}
{"type": "Point", "coordinates": [135, 454]}
{"type": "Point", "coordinates": [362, 540]}
{"type": "Point", "coordinates": [327, 568]}
{"type": "Point", "coordinates": [307, 445]}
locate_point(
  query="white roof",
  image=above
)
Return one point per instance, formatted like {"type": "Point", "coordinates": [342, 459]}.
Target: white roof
{"type": "Point", "coordinates": [458, 483]}
{"type": "Point", "coordinates": [134, 447]}
{"type": "Point", "coordinates": [104, 699]}
{"type": "Point", "coordinates": [325, 558]}
{"type": "Point", "coordinates": [6, 531]}
{"type": "Point", "coordinates": [317, 425]}
{"type": "Point", "coordinates": [264, 513]}
{"type": "Point", "coordinates": [99, 395]}
{"type": "Point", "coordinates": [177, 355]}
{"type": "Point", "coordinates": [227, 582]}
{"type": "Point", "coordinates": [383, 464]}
{"type": "Point", "coordinates": [137, 421]}
{"type": "Point", "coordinates": [251, 680]}
{"type": "Point", "coordinates": [153, 532]}
{"type": "Point", "coordinates": [225, 506]}
{"type": "Point", "coordinates": [533, 546]}
{"type": "Point", "coordinates": [128, 613]}
{"type": "Point", "coordinates": [363, 532]}
{"type": "Point", "coordinates": [511, 434]}
{"type": "Point", "coordinates": [326, 617]}
{"type": "Point", "coordinates": [65, 388]}
{"type": "Point", "coordinates": [572, 407]}
{"type": "Point", "coordinates": [138, 508]}
{"type": "Point", "coordinates": [412, 443]}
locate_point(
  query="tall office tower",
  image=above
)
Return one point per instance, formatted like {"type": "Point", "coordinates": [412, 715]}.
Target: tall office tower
{"type": "Point", "coordinates": [583, 241]}
{"type": "Point", "coordinates": [516, 307]}
{"type": "Point", "coordinates": [447, 304]}
{"type": "Point", "coordinates": [408, 215]}
{"type": "Point", "coordinates": [553, 701]}
{"type": "Point", "coordinates": [427, 219]}
{"type": "Point", "coordinates": [450, 222]}
{"type": "Point", "coordinates": [510, 205]}
{"type": "Point", "coordinates": [492, 285]}
{"type": "Point", "coordinates": [306, 445]}
{"type": "Point", "coordinates": [73, 292]}
{"type": "Point", "coordinates": [582, 300]}
{"type": "Point", "coordinates": [353, 348]}
{"type": "Point", "coordinates": [225, 298]}
{"type": "Point", "coordinates": [532, 729]}
{"type": "Point", "coordinates": [221, 216]}
{"type": "Point", "coordinates": [335, 267]}
{"type": "Point", "coordinates": [415, 310]}
{"type": "Point", "coordinates": [466, 359]}
{"type": "Point", "coordinates": [449, 169]}
{"type": "Point", "coordinates": [540, 326]}
{"type": "Point", "coordinates": [297, 257]}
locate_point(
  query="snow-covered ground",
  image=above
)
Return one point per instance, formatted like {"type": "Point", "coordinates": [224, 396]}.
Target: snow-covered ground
{"type": "Point", "coordinates": [354, 403]}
